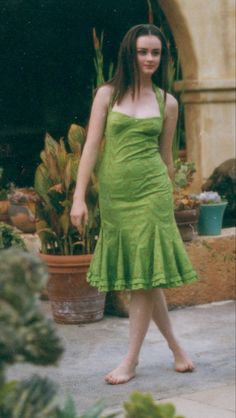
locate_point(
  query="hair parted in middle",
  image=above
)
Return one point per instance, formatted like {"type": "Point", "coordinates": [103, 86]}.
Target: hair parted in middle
{"type": "Point", "coordinates": [127, 73]}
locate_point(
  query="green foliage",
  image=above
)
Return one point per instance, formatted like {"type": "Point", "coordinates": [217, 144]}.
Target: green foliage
{"type": "Point", "coordinates": [142, 406]}
{"type": "Point", "coordinates": [9, 237]}
{"type": "Point", "coordinates": [184, 171]}
{"type": "Point", "coordinates": [30, 398]}
{"type": "Point", "coordinates": [98, 60]}
{"type": "Point", "coordinates": [183, 176]}
{"type": "Point", "coordinates": [26, 335]}
{"type": "Point", "coordinates": [55, 180]}
{"type": "Point", "coordinates": [5, 188]}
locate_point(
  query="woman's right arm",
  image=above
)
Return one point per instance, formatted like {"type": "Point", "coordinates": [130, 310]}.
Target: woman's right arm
{"type": "Point", "coordinates": [79, 212]}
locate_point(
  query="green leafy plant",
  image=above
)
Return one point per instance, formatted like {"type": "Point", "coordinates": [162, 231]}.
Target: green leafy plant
{"type": "Point", "coordinates": [99, 61]}
{"type": "Point", "coordinates": [183, 177]}
{"type": "Point", "coordinates": [27, 336]}
{"type": "Point", "coordinates": [142, 406]}
{"type": "Point", "coordinates": [5, 189]}
{"type": "Point", "coordinates": [9, 237]}
{"type": "Point", "coordinates": [55, 180]}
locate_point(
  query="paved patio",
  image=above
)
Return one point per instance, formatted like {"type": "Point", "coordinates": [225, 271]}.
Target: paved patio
{"type": "Point", "coordinates": [207, 333]}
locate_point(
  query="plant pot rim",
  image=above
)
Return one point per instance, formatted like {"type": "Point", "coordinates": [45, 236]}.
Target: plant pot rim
{"type": "Point", "coordinates": [70, 260]}
{"type": "Point", "coordinates": [187, 210]}
{"type": "Point", "coordinates": [214, 204]}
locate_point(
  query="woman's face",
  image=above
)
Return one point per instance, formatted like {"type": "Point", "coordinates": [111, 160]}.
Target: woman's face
{"type": "Point", "coordinates": [148, 53]}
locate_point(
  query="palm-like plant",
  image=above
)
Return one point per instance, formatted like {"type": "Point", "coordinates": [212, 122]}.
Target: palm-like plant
{"type": "Point", "coordinates": [55, 180]}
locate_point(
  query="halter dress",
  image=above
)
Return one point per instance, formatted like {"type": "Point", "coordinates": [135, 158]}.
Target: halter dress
{"type": "Point", "coordinates": [139, 245]}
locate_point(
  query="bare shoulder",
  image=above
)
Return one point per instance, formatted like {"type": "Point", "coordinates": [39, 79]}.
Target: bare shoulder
{"type": "Point", "coordinates": [171, 103]}
{"type": "Point", "coordinates": [103, 95]}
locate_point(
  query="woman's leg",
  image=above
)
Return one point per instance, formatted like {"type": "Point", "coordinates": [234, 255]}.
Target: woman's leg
{"type": "Point", "coordinates": [140, 314]}
{"type": "Point", "coordinates": [162, 320]}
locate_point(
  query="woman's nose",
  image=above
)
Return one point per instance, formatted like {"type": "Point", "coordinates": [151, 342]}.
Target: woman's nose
{"type": "Point", "coordinates": [149, 56]}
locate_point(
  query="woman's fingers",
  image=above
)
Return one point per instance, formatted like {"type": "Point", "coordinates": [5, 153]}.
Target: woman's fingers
{"type": "Point", "coordinates": [80, 221]}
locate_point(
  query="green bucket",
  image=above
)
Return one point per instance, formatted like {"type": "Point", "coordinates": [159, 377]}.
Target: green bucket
{"type": "Point", "coordinates": [210, 218]}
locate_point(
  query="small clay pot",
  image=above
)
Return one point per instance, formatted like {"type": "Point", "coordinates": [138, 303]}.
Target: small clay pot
{"type": "Point", "coordinates": [186, 220]}
{"type": "Point", "coordinates": [22, 216]}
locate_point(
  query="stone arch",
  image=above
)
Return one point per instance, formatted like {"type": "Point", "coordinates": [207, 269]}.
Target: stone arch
{"type": "Point", "coordinates": [182, 35]}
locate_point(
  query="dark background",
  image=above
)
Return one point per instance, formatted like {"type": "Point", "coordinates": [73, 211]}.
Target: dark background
{"type": "Point", "coordinates": [47, 70]}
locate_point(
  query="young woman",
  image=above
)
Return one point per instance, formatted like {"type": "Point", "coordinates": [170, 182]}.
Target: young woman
{"type": "Point", "coordinates": [139, 246]}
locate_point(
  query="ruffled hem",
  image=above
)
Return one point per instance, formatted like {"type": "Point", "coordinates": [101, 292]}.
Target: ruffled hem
{"type": "Point", "coordinates": [149, 257]}
{"type": "Point", "coordinates": [157, 281]}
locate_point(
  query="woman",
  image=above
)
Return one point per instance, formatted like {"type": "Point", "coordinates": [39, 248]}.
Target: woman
{"type": "Point", "coordinates": [139, 246]}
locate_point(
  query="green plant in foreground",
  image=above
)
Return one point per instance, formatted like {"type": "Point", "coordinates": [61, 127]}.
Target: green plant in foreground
{"type": "Point", "coordinates": [143, 406]}
{"type": "Point", "coordinates": [27, 336]}
{"type": "Point", "coordinates": [9, 237]}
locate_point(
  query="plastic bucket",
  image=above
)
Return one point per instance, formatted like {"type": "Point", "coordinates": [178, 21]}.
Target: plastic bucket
{"type": "Point", "coordinates": [210, 218]}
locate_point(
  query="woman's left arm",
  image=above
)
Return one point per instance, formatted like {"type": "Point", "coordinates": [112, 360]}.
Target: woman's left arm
{"type": "Point", "coordinates": [168, 131]}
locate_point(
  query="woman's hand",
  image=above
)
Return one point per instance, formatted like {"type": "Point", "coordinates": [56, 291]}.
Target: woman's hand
{"type": "Point", "coordinates": [79, 215]}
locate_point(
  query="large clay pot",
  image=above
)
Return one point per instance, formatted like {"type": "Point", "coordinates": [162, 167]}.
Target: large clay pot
{"type": "Point", "coordinates": [187, 221]}
{"type": "Point", "coordinates": [73, 300]}
{"type": "Point", "coordinates": [4, 205]}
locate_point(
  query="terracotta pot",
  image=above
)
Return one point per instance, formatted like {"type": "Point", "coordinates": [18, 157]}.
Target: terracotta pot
{"type": "Point", "coordinates": [72, 299]}
{"type": "Point", "coordinates": [4, 205]}
{"type": "Point", "coordinates": [187, 220]}
{"type": "Point", "coordinates": [22, 216]}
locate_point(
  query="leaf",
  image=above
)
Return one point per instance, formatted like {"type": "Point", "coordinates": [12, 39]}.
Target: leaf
{"type": "Point", "coordinates": [76, 138]}
{"type": "Point", "coordinates": [65, 221]}
{"type": "Point", "coordinates": [67, 175]}
{"type": "Point", "coordinates": [69, 410]}
{"type": "Point", "coordinates": [74, 167]}
{"type": "Point", "coordinates": [6, 390]}
{"type": "Point", "coordinates": [62, 157]}
{"type": "Point", "coordinates": [94, 411]}
{"type": "Point", "coordinates": [42, 181]}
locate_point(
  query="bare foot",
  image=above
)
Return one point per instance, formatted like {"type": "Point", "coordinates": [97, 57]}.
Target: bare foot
{"type": "Point", "coordinates": [183, 363]}
{"type": "Point", "coordinates": [122, 374]}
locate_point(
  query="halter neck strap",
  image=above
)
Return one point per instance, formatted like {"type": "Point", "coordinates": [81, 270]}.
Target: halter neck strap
{"type": "Point", "coordinates": [160, 99]}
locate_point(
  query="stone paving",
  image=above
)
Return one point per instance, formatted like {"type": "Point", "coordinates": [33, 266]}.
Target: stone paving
{"type": "Point", "coordinates": [207, 333]}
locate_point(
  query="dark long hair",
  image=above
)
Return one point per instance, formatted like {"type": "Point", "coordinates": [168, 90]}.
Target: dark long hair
{"type": "Point", "coordinates": [127, 74]}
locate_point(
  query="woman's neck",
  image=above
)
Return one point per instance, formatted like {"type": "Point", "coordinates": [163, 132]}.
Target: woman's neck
{"type": "Point", "coordinates": [145, 82]}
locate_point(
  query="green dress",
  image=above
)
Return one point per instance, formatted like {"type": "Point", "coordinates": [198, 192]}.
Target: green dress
{"type": "Point", "coordinates": [139, 245]}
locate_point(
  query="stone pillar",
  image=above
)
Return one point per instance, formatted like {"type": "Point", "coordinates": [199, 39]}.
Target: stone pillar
{"type": "Point", "coordinates": [205, 37]}
{"type": "Point", "coordinates": [209, 123]}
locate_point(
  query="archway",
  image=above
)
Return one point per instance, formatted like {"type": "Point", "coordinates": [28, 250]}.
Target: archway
{"type": "Point", "coordinates": [204, 37]}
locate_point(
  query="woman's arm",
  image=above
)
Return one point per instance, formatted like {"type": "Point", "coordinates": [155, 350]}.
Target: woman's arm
{"type": "Point", "coordinates": [79, 212]}
{"type": "Point", "coordinates": [167, 135]}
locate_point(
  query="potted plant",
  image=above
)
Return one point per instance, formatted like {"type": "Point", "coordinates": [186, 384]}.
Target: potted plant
{"type": "Point", "coordinates": [186, 208]}
{"type": "Point", "coordinates": [65, 251]}
{"type": "Point", "coordinates": [212, 208]}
